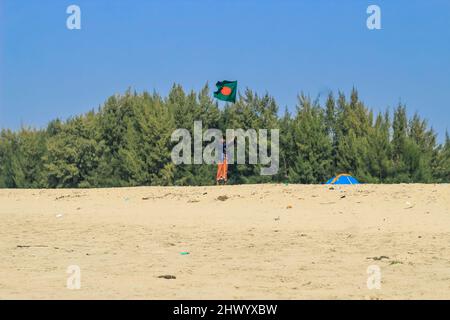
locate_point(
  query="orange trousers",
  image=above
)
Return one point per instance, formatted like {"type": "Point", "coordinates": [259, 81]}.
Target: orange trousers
{"type": "Point", "coordinates": [222, 170]}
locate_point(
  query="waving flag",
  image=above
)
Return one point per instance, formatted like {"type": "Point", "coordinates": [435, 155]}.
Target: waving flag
{"type": "Point", "coordinates": [226, 90]}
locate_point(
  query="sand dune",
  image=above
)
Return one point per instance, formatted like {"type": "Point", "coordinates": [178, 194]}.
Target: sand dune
{"type": "Point", "coordinates": [244, 242]}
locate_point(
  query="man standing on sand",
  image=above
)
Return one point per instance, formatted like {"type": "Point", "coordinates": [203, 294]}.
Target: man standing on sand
{"type": "Point", "coordinates": [222, 167]}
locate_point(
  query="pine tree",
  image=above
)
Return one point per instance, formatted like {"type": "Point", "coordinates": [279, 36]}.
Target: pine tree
{"type": "Point", "coordinates": [313, 146]}
{"type": "Point", "coordinates": [73, 154]}
{"type": "Point", "coordinates": [379, 155]}
{"type": "Point", "coordinates": [287, 146]}
{"type": "Point", "coordinates": [11, 173]}
{"type": "Point", "coordinates": [127, 143]}
{"type": "Point", "coordinates": [442, 168]}
{"type": "Point", "coordinates": [422, 148]}
{"type": "Point", "coordinates": [399, 145]}
{"type": "Point", "coordinates": [353, 126]}
{"type": "Point", "coordinates": [331, 124]}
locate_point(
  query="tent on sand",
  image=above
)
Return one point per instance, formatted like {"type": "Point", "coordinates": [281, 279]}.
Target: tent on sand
{"type": "Point", "coordinates": [343, 178]}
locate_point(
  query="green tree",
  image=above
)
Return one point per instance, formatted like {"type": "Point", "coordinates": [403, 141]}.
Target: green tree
{"type": "Point", "coordinates": [126, 142]}
{"type": "Point", "coordinates": [73, 154]}
{"type": "Point", "coordinates": [354, 121]}
{"type": "Point", "coordinates": [313, 146]}
{"type": "Point", "coordinates": [379, 157]}
{"type": "Point", "coordinates": [442, 168]}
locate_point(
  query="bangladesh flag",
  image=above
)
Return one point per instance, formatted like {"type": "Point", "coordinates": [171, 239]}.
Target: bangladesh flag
{"type": "Point", "coordinates": [226, 90]}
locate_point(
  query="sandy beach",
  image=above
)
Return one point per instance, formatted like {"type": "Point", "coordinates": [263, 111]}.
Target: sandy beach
{"type": "Point", "coordinates": [227, 242]}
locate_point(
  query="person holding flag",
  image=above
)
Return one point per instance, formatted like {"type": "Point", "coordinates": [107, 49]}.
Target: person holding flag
{"type": "Point", "coordinates": [222, 167]}
{"type": "Point", "coordinates": [226, 91]}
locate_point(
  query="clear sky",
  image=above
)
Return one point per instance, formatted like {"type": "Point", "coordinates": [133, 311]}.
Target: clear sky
{"type": "Point", "coordinates": [284, 47]}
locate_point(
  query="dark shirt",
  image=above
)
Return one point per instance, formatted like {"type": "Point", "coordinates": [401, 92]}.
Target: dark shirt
{"type": "Point", "coordinates": [224, 151]}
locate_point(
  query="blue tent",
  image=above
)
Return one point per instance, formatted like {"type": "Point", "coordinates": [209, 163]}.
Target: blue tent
{"type": "Point", "coordinates": [343, 179]}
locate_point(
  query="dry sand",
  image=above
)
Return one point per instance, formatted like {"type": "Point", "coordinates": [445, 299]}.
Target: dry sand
{"type": "Point", "coordinates": [258, 242]}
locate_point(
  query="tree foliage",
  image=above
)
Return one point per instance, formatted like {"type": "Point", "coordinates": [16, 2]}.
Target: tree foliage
{"type": "Point", "coordinates": [127, 142]}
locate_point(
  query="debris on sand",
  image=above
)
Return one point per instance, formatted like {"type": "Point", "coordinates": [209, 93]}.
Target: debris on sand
{"type": "Point", "coordinates": [222, 198]}
{"type": "Point", "coordinates": [167, 276]}
{"type": "Point", "coordinates": [193, 200]}
{"type": "Point", "coordinates": [409, 205]}
{"type": "Point", "coordinates": [342, 197]}
{"type": "Point", "coordinates": [378, 258]}
{"type": "Point", "coordinates": [277, 219]}
{"type": "Point", "coordinates": [69, 196]}
{"type": "Point", "coordinates": [152, 197]}
{"type": "Point", "coordinates": [59, 215]}
{"type": "Point", "coordinates": [32, 246]}
{"type": "Point", "coordinates": [289, 207]}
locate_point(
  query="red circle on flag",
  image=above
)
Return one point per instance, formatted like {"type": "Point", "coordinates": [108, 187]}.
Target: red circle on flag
{"type": "Point", "coordinates": [226, 91]}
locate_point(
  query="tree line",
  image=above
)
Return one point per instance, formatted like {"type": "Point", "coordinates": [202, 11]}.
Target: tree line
{"type": "Point", "coordinates": [126, 142]}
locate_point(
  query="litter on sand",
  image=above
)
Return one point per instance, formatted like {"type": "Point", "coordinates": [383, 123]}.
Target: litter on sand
{"type": "Point", "coordinates": [378, 258]}
{"type": "Point", "coordinates": [167, 276]}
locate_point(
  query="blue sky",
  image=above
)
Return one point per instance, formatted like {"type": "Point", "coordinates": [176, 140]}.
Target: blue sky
{"type": "Point", "coordinates": [284, 47]}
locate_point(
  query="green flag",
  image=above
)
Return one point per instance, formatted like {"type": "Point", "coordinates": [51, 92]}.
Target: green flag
{"type": "Point", "coordinates": [226, 90]}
